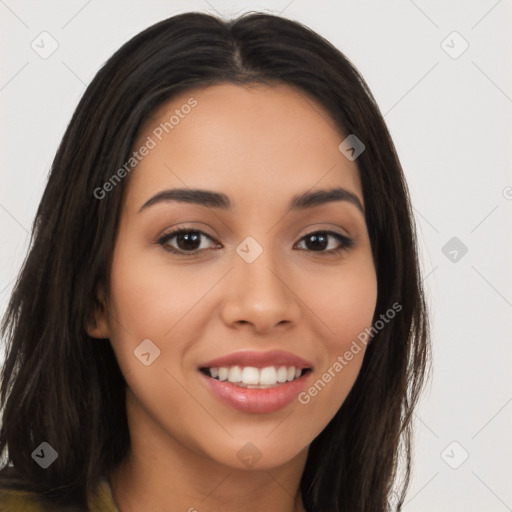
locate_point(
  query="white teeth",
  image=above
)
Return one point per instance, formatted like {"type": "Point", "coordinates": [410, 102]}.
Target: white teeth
{"type": "Point", "coordinates": [282, 374]}
{"type": "Point", "coordinates": [235, 374]}
{"type": "Point", "coordinates": [268, 376]}
{"type": "Point", "coordinates": [249, 376]}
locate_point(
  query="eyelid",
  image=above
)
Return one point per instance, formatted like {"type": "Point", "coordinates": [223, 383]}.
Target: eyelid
{"type": "Point", "coordinates": [324, 228]}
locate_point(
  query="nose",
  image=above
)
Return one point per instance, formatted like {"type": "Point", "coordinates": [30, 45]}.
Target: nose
{"type": "Point", "coordinates": [261, 294]}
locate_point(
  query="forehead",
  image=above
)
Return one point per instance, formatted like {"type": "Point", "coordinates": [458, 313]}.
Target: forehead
{"type": "Point", "coordinates": [248, 141]}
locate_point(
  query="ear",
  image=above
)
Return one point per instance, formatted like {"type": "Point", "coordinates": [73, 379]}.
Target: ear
{"type": "Point", "coordinates": [98, 326]}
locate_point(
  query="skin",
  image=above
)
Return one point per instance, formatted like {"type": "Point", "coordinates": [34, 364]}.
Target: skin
{"type": "Point", "coordinates": [260, 145]}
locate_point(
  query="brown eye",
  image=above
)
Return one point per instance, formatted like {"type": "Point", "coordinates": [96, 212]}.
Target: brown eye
{"type": "Point", "coordinates": [186, 241]}
{"type": "Point", "coordinates": [318, 241]}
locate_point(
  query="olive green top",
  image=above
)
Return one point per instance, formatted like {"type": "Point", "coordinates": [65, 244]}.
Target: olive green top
{"type": "Point", "coordinates": [23, 501]}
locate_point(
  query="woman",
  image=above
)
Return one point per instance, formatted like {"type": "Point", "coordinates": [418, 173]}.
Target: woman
{"type": "Point", "coordinates": [222, 305]}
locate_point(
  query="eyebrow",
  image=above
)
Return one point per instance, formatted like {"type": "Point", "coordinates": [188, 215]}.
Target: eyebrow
{"type": "Point", "coordinates": [221, 201]}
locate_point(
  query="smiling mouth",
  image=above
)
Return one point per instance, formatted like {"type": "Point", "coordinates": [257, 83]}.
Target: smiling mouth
{"type": "Point", "coordinates": [255, 378]}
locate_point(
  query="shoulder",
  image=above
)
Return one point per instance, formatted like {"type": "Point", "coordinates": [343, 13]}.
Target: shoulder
{"type": "Point", "coordinates": [22, 501]}
{"type": "Point", "coordinates": [15, 499]}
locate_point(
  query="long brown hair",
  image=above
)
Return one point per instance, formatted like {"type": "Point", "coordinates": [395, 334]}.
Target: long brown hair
{"type": "Point", "coordinates": [60, 386]}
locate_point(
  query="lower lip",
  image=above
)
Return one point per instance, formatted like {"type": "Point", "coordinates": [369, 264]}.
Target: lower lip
{"type": "Point", "coordinates": [253, 399]}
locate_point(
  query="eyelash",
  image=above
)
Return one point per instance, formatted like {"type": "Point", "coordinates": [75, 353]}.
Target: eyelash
{"type": "Point", "coordinates": [346, 242]}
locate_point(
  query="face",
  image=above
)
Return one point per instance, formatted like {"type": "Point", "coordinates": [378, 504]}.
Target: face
{"type": "Point", "coordinates": [253, 284]}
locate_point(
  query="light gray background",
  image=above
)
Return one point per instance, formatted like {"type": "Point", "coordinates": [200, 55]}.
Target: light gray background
{"type": "Point", "coordinates": [450, 119]}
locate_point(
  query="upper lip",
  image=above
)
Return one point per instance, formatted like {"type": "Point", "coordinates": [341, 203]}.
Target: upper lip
{"type": "Point", "coordinates": [258, 359]}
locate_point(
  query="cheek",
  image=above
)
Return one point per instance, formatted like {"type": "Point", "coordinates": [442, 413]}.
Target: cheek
{"type": "Point", "coordinates": [346, 308]}
{"type": "Point", "coordinates": [148, 299]}
{"type": "Point", "coordinates": [139, 309]}
{"type": "Point", "coordinates": [344, 301]}
{"type": "Point", "coordinates": [153, 300]}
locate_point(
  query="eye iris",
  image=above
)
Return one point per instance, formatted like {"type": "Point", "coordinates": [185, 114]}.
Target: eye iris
{"type": "Point", "coordinates": [319, 241]}
{"type": "Point", "coordinates": [188, 237]}
{"type": "Point", "coordinates": [190, 241]}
